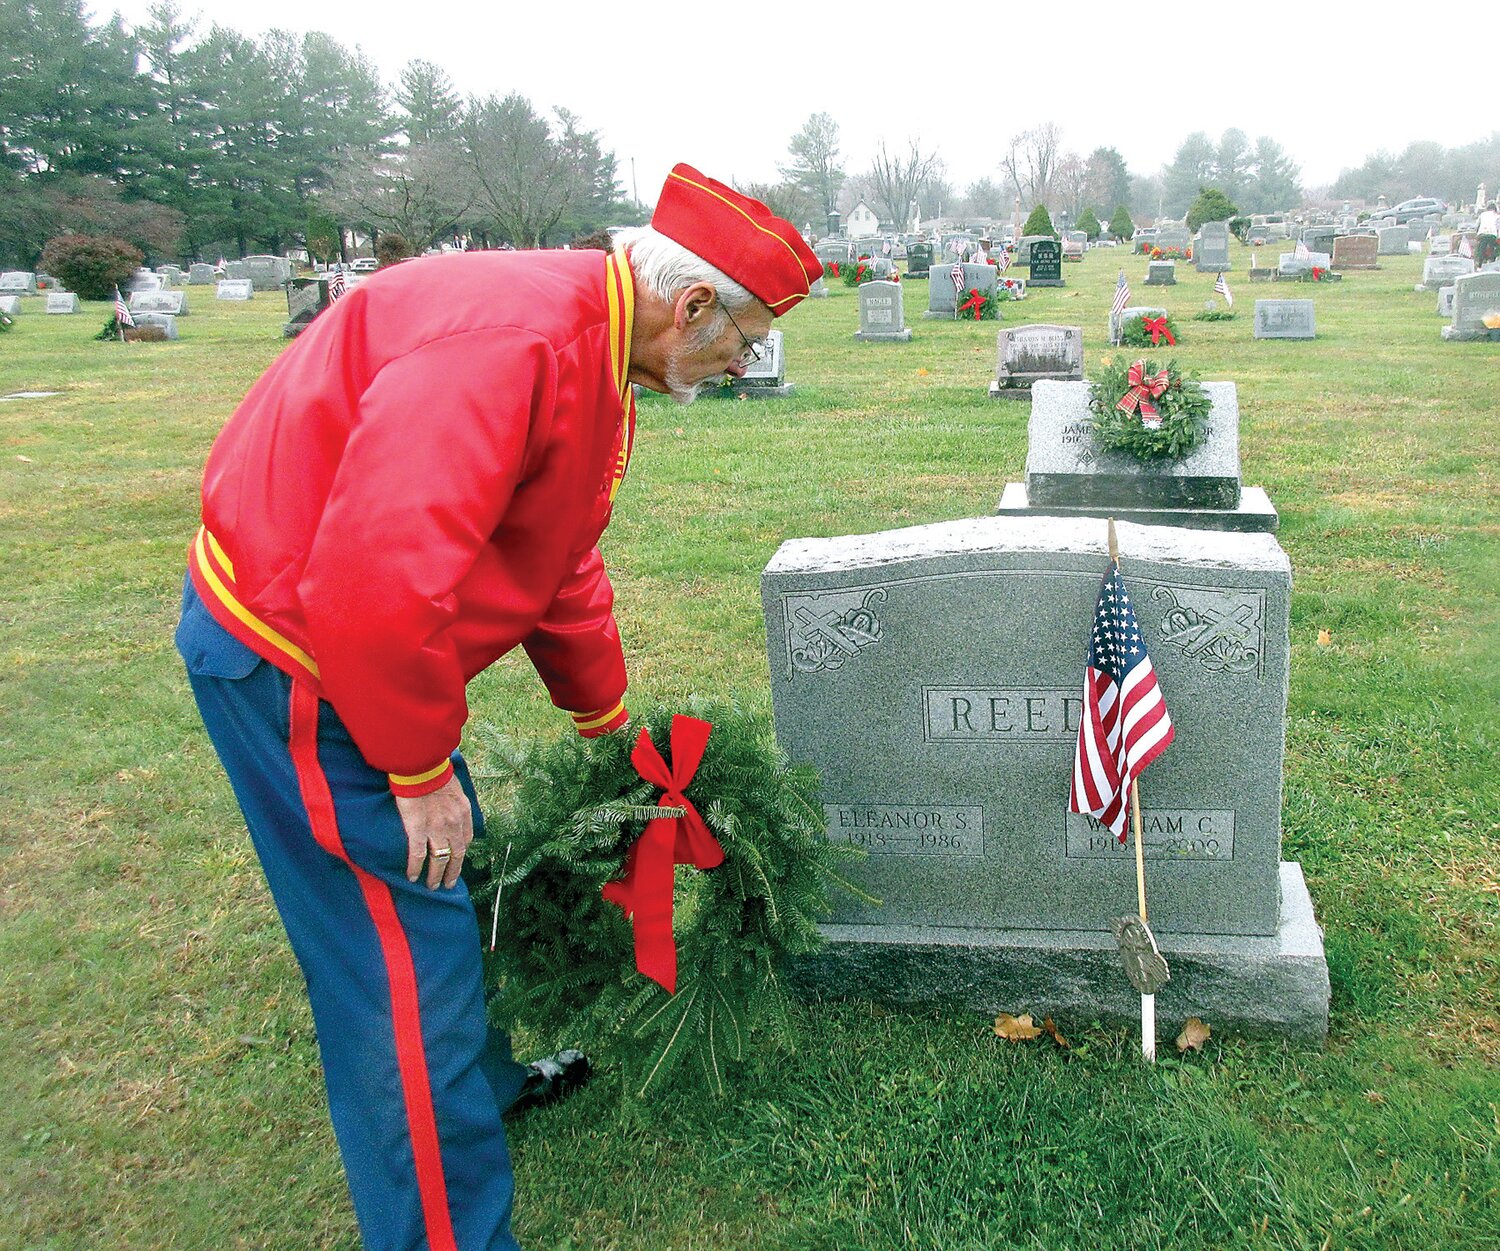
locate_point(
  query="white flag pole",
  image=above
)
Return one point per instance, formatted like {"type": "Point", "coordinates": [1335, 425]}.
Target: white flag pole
{"type": "Point", "coordinates": [1148, 1002]}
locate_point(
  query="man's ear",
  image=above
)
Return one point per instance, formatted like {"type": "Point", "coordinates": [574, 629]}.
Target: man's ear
{"type": "Point", "coordinates": [693, 303]}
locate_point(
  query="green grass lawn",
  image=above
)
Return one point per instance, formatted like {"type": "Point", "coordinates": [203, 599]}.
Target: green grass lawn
{"type": "Point", "coordinates": [154, 1039]}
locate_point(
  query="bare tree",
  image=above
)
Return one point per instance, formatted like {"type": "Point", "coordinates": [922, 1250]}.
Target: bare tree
{"type": "Point", "coordinates": [1031, 160]}
{"type": "Point", "coordinates": [528, 174]}
{"type": "Point", "coordinates": [421, 192]}
{"type": "Point", "coordinates": [896, 180]}
{"type": "Point", "coordinates": [1069, 183]}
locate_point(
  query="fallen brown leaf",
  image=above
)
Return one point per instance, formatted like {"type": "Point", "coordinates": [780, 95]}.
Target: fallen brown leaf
{"type": "Point", "coordinates": [1056, 1034]}
{"type": "Point", "coordinates": [1324, 638]}
{"type": "Point", "coordinates": [1016, 1028]}
{"type": "Point", "coordinates": [1194, 1034]}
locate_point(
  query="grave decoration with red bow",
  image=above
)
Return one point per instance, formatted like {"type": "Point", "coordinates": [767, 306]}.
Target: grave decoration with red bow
{"type": "Point", "coordinates": [1144, 330]}
{"type": "Point", "coordinates": [1147, 411]}
{"type": "Point", "coordinates": [599, 939]}
{"type": "Point", "coordinates": [981, 305]}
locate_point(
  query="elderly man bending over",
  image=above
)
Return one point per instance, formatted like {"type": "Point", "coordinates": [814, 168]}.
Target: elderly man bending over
{"type": "Point", "coordinates": [414, 488]}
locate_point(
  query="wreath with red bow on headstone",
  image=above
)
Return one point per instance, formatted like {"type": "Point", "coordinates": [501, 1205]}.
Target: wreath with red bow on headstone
{"type": "Point", "coordinates": [1147, 411]}
{"type": "Point", "coordinates": [598, 940]}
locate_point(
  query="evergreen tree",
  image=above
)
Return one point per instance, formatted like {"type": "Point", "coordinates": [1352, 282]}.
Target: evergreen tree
{"type": "Point", "coordinates": [1191, 168]}
{"type": "Point", "coordinates": [815, 167]}
{"type": "Point", "coordinates": [1274, 186]}
{"type": "Point", "coordinates": [1120, 225]}
{"type": "Point", "coordinates": [1089, 223]}
{"type": "Point", "coordinates": [1039, 223]}
{"type": "Point", "coordinates": [1212, 205]}
{"type": "Point", "coordinates": [1106, 178]}
{"type": "Point", "coordinates": [427, 97]}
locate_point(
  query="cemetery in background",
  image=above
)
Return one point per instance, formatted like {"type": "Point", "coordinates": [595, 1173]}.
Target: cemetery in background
{"type": "Point", "coordinates": [160, 1059]}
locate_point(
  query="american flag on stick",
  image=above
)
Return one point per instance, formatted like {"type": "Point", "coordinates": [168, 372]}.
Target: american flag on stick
{"type": "Point", "coordinates": [1004, 261]}
{"type": "Point", "coordinates": [1122, 298]}
{"type": "Point", "coordinates": [1125, 725]}
{"type": "Point", "coordinates": [337, 288]}
{"type": "Point", "coordinates": [1465, 248]}
{"type": "Point", "coordinates": [1221, 287]}
{"type": "Point", "coordinates": [1301, 251]}
{"type": "Point", "coordinates": [957, 274]}
{"type": "Point", "coordinates": [122, 311]}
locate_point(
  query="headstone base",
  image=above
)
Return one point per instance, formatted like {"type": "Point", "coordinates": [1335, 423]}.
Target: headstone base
{"type": "Point", "coordinates": [1265, 274]}
{"type": "Point", "coordinates": [760, 392]}
{"type": "Point", "coordinates": [1157, 280]}
{"type": "Point", "coordinates": [1046, 282]}
{"type": "Point", "coordinates": [1346, 268]}
{"type": "Point", "coordinates": [1328, 276]}
{"type": "Point", "coordinates": [894, 336]}
{"type": "Point", "coordinates": [1255, 514]}
{"type": "Point", "coordinates": [1270, 986]}
{"type": "Point", "coordinates": [1454, 334]}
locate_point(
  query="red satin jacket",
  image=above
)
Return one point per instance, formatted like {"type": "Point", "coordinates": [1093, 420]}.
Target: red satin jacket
{"type": "Point", "coordinates": [418, 484]}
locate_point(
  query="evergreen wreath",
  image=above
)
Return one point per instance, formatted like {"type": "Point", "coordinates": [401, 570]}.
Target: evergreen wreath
{"type": "Point", "coordinates": [1134, 333]}
{"type": "Point", "coordinates": [987, 307]}
{"type": "Point", "coordinates": [1213, 314]}
{"type": "Point", "coordinates": [565, 814]}
{"type": "Point", "coordinates": [831, 268]}
{"type": "Point", "coordinates": [857, 273]}
{"type": "Point", "coordinates": [1182, 407]}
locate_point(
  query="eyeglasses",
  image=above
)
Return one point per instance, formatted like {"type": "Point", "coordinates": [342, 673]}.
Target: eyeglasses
{"type": "Point", "coordinates": [753, 347]}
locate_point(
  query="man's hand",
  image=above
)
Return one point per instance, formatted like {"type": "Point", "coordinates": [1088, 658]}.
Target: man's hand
{"type": "Point", "coordinates": [434, 822]}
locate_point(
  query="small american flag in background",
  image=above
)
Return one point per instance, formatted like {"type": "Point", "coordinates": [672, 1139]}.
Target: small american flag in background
{"type": "Point", "coordinates": [336, 286]}
{"type": "Point", "coordinates": [1301, 251]}
{"type": "Point", "coordinates": [1465, 248]}
{"type": "Point", "coordinates": [957, 274]}
{"type": "Point", "coordinates": [1221, 287]}
{"type": "Point", "coordinates": [1122, 297]}
{"type": "Point", "coordinates": [1004, 262]}
{"type": "Point", "coordinates": [1125, 723]}
{"type": "Point", "coordinates": [122, 310]}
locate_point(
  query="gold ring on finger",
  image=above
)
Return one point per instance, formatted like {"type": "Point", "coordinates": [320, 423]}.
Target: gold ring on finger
{"type": "Point", "coordinates": [441, 853]}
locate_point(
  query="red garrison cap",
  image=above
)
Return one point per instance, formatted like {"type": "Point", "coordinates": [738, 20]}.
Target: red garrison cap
{"type": "Point", "coordinates": [760, 251]}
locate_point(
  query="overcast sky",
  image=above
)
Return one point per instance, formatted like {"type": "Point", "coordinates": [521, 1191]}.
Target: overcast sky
{"type": "Point", "coordinates": [724, 86]}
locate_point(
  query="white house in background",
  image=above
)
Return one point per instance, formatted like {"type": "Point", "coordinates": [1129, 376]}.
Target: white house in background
{"type": "Point", "coordinates": [861, 222]}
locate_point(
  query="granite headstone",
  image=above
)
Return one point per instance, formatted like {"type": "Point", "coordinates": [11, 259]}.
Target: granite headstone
{"type": "Point", "coordinates": [18, 282]}
{"type": "Point", "coordinates": [942, 296]}
{"type": "Point", "coordinates": [1442, 270]}
{"type": "Point", "coordinates": [882, 318]}
{"type": "Point", "coordinates": [1046, 264]}
{"type": "Point", "coordinates": [174, 302]}
{"type": "Point", "coordinates": [1476, 301]}
{"type": "Point", "coordinates": [1211, 249]}
{"type": "Point", "coordinates": [234, 289]}
{"type": "Point", "coordinates": [62, 303]}
{"type": "Point", "coordinates": [1161, 274]}
{"type": "Point", "coordinates": [1284, 319]}
{"type": "Point", "coordinates": [1035, 353]}
{"type": "Point", "coordinates": [1355, 252]}
{"type": "Point", "coordinates": [765, 378]}
{"type": "Point", "coordinates": [932, 675]}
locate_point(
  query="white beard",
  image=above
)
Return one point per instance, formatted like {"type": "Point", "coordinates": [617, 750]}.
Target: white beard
{"type": "Point", "coordinates": [678, 387]}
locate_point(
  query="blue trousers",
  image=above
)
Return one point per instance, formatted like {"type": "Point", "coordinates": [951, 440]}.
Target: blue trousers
{"type": "Point", "coordinates": [417, 1080]}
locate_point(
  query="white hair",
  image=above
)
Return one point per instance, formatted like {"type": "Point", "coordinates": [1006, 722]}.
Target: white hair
{"type": "Point", "coordinates": [666, 267]}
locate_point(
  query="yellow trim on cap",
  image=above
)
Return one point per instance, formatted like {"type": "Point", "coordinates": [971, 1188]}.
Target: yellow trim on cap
{"type": "Point", "coordinates": [800, 269]}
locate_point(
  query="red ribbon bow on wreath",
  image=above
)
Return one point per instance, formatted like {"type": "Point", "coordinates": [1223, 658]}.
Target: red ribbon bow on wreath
{"type": "Point", "coordinates": [975, 301]}
{"type": "Point", "coordinates": [835, 265]}
{"type": "Point", "coordinates": [1318, 273]}
{"type": "Point", "coordinates": [1156, 327]}
{"type": "Point", "coordinates": [645, 892]}
{"type": "Point", "coordinates": [859, 273]}
{"type": "Point", "coordinates": [1142, 391]}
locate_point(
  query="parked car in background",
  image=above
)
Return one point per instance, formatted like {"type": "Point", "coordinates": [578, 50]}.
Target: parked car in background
{"type": "Point", "coordinates": [1410, 210]}
{"type": "Point", "coordinates": [364, 265]}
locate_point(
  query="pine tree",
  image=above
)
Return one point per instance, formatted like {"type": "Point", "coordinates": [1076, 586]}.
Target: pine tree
{"type": "Point", "coordinates": [1039, 223]}
{"type": "Point", "coordinates": [1089, 224]}
{"type": "Point", "coordinates": [1120, 225]}
{"type": "Point", "coordinates": [1212, 205]}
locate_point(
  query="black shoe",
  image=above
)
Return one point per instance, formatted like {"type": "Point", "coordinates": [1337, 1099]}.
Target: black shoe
{"type": "Point", "coordinates": [552, 1078]}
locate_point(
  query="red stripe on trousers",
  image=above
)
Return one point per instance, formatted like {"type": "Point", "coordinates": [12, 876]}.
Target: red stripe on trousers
{"type": "Point", "coordinates": [411, 1056]}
